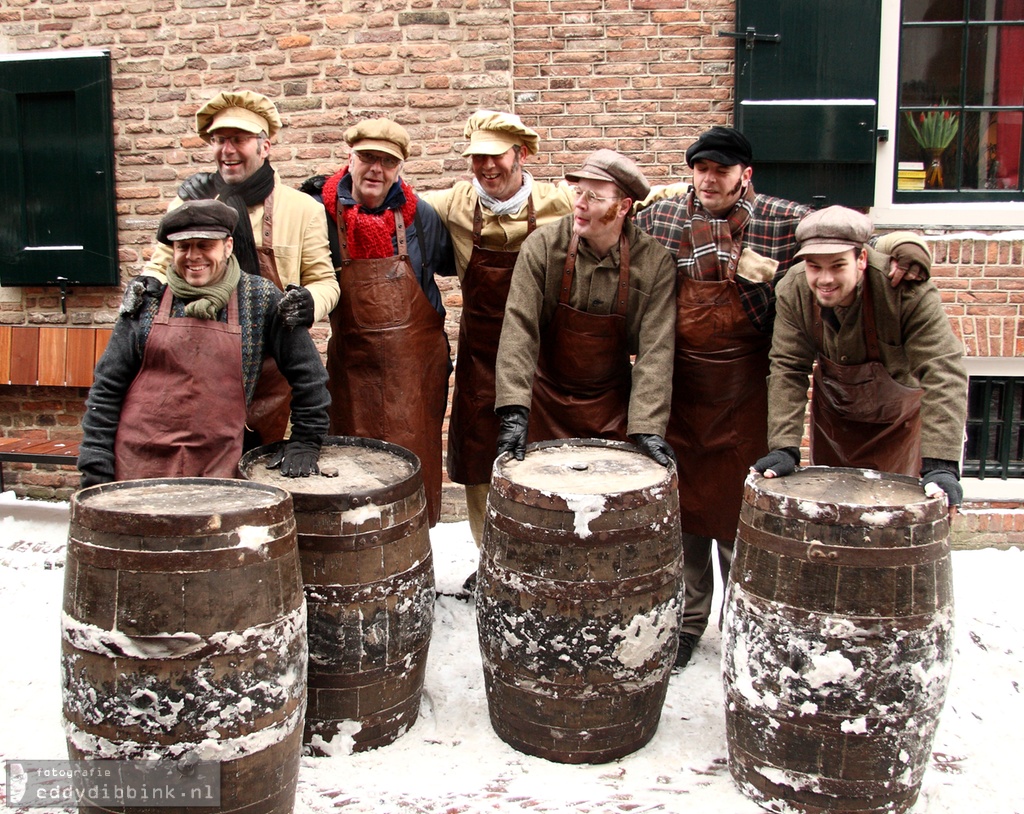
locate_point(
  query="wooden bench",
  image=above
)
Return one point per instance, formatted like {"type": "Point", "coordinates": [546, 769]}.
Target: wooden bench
{"type": "Point", "coordinates": [36, 451]}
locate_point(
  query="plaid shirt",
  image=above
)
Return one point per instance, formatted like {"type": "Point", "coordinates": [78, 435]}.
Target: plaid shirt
{"type": "Point", "coordinates": [771, 232]}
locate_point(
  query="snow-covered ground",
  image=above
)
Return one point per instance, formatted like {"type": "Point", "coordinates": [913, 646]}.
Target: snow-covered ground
{"type": "Point", "coordinates": [451, 762]}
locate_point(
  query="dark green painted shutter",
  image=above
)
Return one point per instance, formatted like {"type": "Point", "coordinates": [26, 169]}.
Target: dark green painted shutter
{"type": "Point", "coordinates": [806, 97]}
{"type": "Point", "coordinates": [56, 161]}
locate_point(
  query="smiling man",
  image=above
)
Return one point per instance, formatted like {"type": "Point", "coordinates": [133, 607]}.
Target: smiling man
{"type": "Point", "coordinates": [890, 388]}
{"type": "Point", "coordinates": [588, 292]}
{"type": "Point", "coordinates": [171, 391]}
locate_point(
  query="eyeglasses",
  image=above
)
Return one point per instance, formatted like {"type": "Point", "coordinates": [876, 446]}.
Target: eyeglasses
{"type": "Point", "coordinates": [234, 141]}
{"type": "Point", "coordinates": [589, 196]}
{"type": "Point", "coordinates": [388, 162]}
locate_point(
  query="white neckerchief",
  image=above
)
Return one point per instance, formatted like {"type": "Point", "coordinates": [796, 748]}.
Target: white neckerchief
{"type": "Point", "coordinates": [510, 206]}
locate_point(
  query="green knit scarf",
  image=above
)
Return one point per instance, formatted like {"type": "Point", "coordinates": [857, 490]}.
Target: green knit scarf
{"type": "Point", "coordinates": [205, 302]}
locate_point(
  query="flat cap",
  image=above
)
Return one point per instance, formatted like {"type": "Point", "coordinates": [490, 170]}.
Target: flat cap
{"type": "Point", "coordinates": [491, 132]}
{"type": "Point", "coordinates": [608, 165]}
{"type": "Point", "coordinates": [723, 145]}
{"type": "Point", "coordinates": [209, 219]}
{"type": "Point", "coordinates": [382, 135]}
{"type": "Point", "coordinates": [243, 109]}
{"type": "Point", "coordinates": [832, 230]}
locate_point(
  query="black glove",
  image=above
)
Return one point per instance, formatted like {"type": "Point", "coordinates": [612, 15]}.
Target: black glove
{"type": "Point", "coordinates": [296, 307]}
{"type": "Point", "coordinates": [297, 459]}
{"type": "Point", "coordinates": [780, 461]}
{"type": "Point", "coordinates": [313, 185]}
{"type": "Point", "coordinates": [93, 479]}
{"type": "Point", "coordinates": [945, 475]}
{"type": "Point", "coordinates": [512, 432]}
{"type": "Point", "coordinates": [198, 187]}
{"type": "Point", "coordinates": [135, 294]}
{"type": "Point", "coordinates": [656, 447]}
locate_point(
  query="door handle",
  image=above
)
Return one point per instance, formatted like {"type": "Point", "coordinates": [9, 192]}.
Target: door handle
{"type": "Point", "coordinates": [750, 36]}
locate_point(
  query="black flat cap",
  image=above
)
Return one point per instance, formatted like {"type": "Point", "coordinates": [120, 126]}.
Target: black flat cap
{"type": "Point", "coordinates": [723, 145]}
{"type": "Point", "coordinates": [197, 219]}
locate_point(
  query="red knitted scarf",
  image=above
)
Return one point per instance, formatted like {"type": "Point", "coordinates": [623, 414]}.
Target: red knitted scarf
{"type": "Point", "coordinates": [369, 236]}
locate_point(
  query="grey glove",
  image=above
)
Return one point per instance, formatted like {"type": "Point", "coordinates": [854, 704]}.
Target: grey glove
{"type": "Point", "coordinates": [198, 187]}
{"type": "Point", "coordinates": [297, 459]}
{"type": "Point", "coordinates": [945, 475]}
{"type": "Point", "coordinates": [296, 307]}
{"type": "Point", "coordinates": [512, 432]}
{"type": "Point", "coordinates": [135, 294]}
{"type": "Point", "coordinates": [656, 447]}
{"type": "Point", "coordinates": [780, 461]}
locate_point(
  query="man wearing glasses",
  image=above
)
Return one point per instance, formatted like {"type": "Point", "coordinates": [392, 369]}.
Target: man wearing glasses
{"type": "Point", "coordinates": [388, 356]}
{"type": "Point", "coordinates": [588, 292]}
{"type": "Point", "coordinates": [281, 235]}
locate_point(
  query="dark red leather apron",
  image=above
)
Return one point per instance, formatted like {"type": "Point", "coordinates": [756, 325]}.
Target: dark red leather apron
{"type": "Point", "coordinates": [860, 415]}
{"type": "Point", "coordinates": [271, 402]}
{"type": "Point", "coordinates": [582, 384]}
{"type": "Point", "coordinates": [387, 359]}
{"type": "Point", "coordinates": [184, 415]}
{"type": "Point", "coordinates": [473, 426]}
{"type": "Point", "coordinates": [719, 419]}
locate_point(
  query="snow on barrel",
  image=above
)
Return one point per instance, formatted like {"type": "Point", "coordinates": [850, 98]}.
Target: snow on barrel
{"type": "Point", "coordinates": [837, 640]}
{"type": "Point", "coordinates": [578, 598]}
{"type": "Point", "coordinates": [184, 634]}
{"type": "Point", "coordinates": [368, 571]}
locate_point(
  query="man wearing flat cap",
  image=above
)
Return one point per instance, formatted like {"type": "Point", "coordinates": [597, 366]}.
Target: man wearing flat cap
{"type": "Point", "coordinates": [488, 218]}
{"type": "Point", "coordinates": [281, 234]}
{"type": "Point", "coordinates": [588, 292]}
{"type": "Point", "coordinates": [388, 356]}
{"type": "Point", "coordinates": [171, 391]}
{"type": "Point", "coordinates": [890, 388]}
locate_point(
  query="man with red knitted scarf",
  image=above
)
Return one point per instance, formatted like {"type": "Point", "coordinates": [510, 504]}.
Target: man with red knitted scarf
{"type": "Point", "coordinates": [388, 355]}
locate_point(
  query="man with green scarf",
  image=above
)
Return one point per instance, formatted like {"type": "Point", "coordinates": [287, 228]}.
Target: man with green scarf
{"type": "Point", "coordinates": [170, 392]}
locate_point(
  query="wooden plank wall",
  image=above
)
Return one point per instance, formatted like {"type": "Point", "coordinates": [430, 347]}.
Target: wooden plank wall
{"type": "Point", "coordinates": [56, 356]}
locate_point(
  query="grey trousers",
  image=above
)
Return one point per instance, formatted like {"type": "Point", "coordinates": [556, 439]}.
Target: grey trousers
{"type": "Point", "coordinates": [699, 579]}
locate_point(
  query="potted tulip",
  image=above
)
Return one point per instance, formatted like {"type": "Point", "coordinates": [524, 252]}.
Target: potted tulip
{"type": "Point", "coordinates": [934, 131]}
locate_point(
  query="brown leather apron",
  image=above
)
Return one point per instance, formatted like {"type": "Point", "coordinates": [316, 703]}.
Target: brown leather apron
{"type": "Point", "coordinates": [719, 420]}
{"type": "Point", "coordinates": [473, 426]}
{"type": "Point", "coordinates": [860, 415]}
{"type": "Point", "coordinates": [387, 359]}
{"type": "Point", "coordinates": [582, 384]}
{"type": "Point", "coordinates": [184, 414]}
{"type": "Point", "coordinates": [271, 402]}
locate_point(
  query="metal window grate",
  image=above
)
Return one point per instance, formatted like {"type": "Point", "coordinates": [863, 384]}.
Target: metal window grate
{"type": "Point", "coordinates": [995, 418]}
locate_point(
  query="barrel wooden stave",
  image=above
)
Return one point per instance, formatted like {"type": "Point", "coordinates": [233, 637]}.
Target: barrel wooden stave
{"type": "Point", "coordinates": [837, 647]}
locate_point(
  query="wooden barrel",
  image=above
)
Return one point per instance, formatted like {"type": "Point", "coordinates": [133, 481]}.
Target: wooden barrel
{"type": "Point", "coordinates": [837, 640]}
{"type": "Point", "coordinates": [184, 633]}
{"type": "Point", "coordinates": [368, 571]}
{"type": "Point", "coordinates": [579, 598]}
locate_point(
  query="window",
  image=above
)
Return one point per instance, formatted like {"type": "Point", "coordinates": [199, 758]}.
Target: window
{"type": "Point", "coordinates": [961, 101]}
{"type": "Point", "coordinates": [995, 417]}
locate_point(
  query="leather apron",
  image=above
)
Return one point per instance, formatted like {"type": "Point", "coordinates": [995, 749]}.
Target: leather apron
{"type": "Point", "coordinates": [270, 407]}
{"type": "Point", "coordinates": [473, 426]}
{"type": "Point", "coordinates": [387, 359]}
{"type": "Point", "coordinates": [860, 415]}
{"type": "Point", "coordinates": [719, 420]}
{"type": "Point", "coordinates": [583, 379]}
{"type": "Point", "coordinates": [184, 414]}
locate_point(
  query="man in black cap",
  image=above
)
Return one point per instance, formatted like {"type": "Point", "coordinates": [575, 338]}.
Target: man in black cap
{"type": "Point", "coordinates": [170, 392]}
{"type": "Point", "coordinates": [588, 292]}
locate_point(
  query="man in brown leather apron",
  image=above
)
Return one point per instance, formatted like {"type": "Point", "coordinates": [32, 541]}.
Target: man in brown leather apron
{"type": "Point", "coordinates": [889, 384]}
{"type": "Point", "coordinates": [170, 392]}
{"type": "Point", "coordinates": [588, 292]}
{"type": "Point", "coordinates": [387, 358]}
{"type": "Point", "coordinates": [488, 218]}
{"type": "Point", "coordinates": [280, 236]}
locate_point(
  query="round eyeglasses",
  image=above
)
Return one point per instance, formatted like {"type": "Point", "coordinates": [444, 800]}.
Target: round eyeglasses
{"type": "Point", "coordinates": [589, 196]}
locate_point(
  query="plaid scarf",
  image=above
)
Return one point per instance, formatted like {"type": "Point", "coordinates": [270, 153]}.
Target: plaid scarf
{"type": "Point", "coordinates": [710, 248]}
{"type": "Point", "coordinates": [370, 231]}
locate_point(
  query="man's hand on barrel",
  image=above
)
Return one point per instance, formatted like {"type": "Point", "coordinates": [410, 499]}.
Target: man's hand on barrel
{"type": "Point", "coordinates": [296, 307]}
{"type": "Point", "coordinates": [297, 459]}
{"type": "Point", "coordinates": [512, 432]}
{"type": "Point", "coordinates": [656, 447]}
{"type": "Point", "coordinates": [778, 463]}
{"type": "Point", "coordinates": [939, 476]}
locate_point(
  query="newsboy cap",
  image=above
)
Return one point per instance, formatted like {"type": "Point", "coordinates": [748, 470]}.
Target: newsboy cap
{"type": "Point", "coordinates": [210, 219]}
{"type": "Point", "coordinates": [832, 230]}
{"type": "Point", "coordinates": [382, 135]}
{"type": "Point", "coordinates": [608, 165]}
{"type": "Point", "coordinates": [723, 145]}
{"type": "Point", "coordinates": [243, 110]}
{"type": "Point", "coordinates": [491, 132]}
